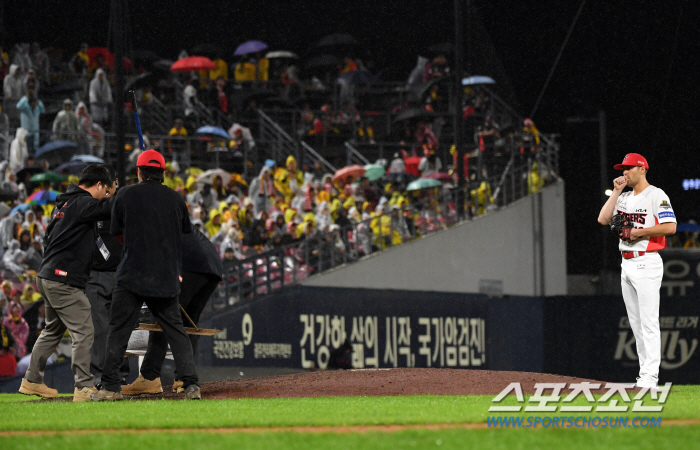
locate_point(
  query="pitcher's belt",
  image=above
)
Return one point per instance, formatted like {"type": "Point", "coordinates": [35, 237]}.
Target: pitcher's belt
{"type": "Point", "coordinates": [630, 255]}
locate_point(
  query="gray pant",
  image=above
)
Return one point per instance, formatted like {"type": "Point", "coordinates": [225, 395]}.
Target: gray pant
{"type": "Point", "coordinates": [68, 308]}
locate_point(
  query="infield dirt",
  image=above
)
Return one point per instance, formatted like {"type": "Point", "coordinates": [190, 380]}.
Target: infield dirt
{"type": "Point", "coordinates": [374, 382]}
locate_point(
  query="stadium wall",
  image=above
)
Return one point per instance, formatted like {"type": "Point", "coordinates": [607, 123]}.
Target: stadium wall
{"type": "Point", "coordinates": [513, 250]}
{"type": "Point", "coordinates": [304, 327]}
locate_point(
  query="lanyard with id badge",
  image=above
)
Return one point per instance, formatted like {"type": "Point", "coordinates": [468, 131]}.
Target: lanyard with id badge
{"type": "Point", "coordinates": [103, 248]}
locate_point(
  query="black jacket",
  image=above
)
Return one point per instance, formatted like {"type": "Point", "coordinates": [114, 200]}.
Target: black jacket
{"type": "Point", "coordinates": [151, 218]}
{"type": "Point", "coordinates": [199, 255]}
{"type": "Point", "coordinates": [114, 246]}
{"type": "Point", "coordinates": [71, 237]}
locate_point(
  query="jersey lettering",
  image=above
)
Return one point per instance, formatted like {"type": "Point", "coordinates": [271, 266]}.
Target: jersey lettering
{"type": "Point", "coordinates": [634, 217]}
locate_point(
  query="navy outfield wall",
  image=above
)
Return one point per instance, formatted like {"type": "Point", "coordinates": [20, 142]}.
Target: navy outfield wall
{"type": "Point", "coordinates": [578, 336]}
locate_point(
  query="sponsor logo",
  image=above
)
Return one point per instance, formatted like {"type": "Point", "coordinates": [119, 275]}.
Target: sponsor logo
{"type": "Point", "coordinates": [61, 273]}
{"type": "Point", "coordinates": [640, 210]}
{"type": "Point", "coordinates": [664, 204]}
{"type": "Point", "coordinates": [677, 342]}
{"type": "Point", "coordinates": [666, 214]}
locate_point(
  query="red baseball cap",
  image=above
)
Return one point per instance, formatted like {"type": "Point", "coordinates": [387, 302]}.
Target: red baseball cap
{"type": "Point", "coordinates": [151, 158]}
{"type": "Point", "coordinates": [633, 159]}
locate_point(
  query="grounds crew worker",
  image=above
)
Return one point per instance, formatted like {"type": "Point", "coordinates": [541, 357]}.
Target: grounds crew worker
{"type": "Point", "coordinates": [202, 273]}
{"type": "Point", "coordinates": [62, 277]}
{"type": "Point", "coordinates": [99, 292]}
{"type": "Point", "coordinates": [151, 218]}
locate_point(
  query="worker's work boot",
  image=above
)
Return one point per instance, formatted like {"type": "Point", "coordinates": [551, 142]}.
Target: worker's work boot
{"type": "Point", "coordinates": [143, 386]}
{"type": "Point", "coordinates": [40, 389]}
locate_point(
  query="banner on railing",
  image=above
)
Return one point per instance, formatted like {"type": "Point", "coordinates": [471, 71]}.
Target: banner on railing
{"type": "Point", "coordinates": [320, 328]}
{"type": "Point", "coordinates": [313, 328]}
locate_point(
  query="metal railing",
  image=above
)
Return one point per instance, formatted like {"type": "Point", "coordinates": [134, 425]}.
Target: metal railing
{"type": "Point", "coordinates": [353, 156]}
{"type": "Point", "coordinates": [283, 144]}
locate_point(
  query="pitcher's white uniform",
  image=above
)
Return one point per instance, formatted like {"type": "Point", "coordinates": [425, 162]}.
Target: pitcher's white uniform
{"type": "Point", "coordinates": [642, 271]}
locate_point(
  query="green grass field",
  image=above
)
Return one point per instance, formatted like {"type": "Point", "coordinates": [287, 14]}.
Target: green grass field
{"type": "Point", "coordinates": [129, 423]}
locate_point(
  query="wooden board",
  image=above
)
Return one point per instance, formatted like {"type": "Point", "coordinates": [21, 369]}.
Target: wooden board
{"type": "Point", "coordinates": [188, 330]}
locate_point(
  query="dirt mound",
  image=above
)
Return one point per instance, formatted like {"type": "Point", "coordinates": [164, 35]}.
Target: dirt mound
{"type": "Point", "coordinates": [374, 382]}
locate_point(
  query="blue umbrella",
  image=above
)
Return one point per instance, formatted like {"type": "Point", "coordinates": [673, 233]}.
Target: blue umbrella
{"type": "Point", "coordinates": [88, 159]}
{"type": "Point", "coordinates": [250, 47]}
{"type": "Point", "coordinates": [213, 131]}
{"type": "Point", "coordinates": [22, 208]}
{"type": "Point", "coordinates": [72, 167]}
{"type": "Point", "coordinates": [477, 79]}
{"type": "Point", "coordinates": [56, 146]}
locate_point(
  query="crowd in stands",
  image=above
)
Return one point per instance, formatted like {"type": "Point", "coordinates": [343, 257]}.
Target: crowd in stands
{"type": "Point", "coordinates": [318, 219]}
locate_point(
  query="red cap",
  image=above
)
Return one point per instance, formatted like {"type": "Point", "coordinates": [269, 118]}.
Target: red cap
{"type": "Point", "coordinates": [151, 158]}
{"type": "Point", "coordinates": [633, 159]}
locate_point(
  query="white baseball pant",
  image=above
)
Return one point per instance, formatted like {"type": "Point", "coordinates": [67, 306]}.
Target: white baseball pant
{"type": "Point", "coordinates": [641, 281]}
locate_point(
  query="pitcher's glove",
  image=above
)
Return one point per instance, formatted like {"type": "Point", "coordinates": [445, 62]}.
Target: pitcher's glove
{"type": "Point", "coordinates": [621, 227]}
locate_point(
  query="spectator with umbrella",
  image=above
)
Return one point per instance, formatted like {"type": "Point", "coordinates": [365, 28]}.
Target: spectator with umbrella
{"type": "Point", "coordinates": [245, 71]}
{"type": "Point", "coordinates": [261, 63]}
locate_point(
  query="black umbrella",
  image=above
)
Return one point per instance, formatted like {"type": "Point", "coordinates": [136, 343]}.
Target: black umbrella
{"type": "Point", "coordinates": [56, 152]}
{"type": "Point", "coordinates": [212, 51]}
{"type": "Point", "coordinates": [22, 173]}
{"type": "Point", "coordinates": [8, 195]}
{"type": "Point", "coordinates": [323, 61]}
{"type": "Point", "coordinates": [71, 167]}
{"type": "Point", "coordinates": [141, 81]}
{"type": "Point", "coordinates": [414, 114]}
{"type": "Point", "coordinates": [337, 39]}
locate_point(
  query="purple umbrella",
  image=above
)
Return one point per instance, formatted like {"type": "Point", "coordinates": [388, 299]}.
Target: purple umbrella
{"type": "Point", "coordinates": [250, 47]}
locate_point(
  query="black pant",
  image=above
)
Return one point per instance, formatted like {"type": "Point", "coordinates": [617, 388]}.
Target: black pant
{"type": "Point", "coordinates": [124, 315]}
{"type": "Point", "coordinates": [195, 291]}
{"type": "Point", "coordinates": [99, 292]}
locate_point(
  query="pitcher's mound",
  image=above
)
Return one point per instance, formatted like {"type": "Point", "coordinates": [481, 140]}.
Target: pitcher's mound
{"type": "Point", "coordinates": [375, 382]}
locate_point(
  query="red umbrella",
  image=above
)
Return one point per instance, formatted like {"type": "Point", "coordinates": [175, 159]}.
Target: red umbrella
{"type": "Point", "coordinates": [442, 176]}
{"type": "Point", "coordinates": [193, 63]}
{"type": "Point", "coordinates": [354, 171]}
{"type": "Point", "coordinates": [108, 57]}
